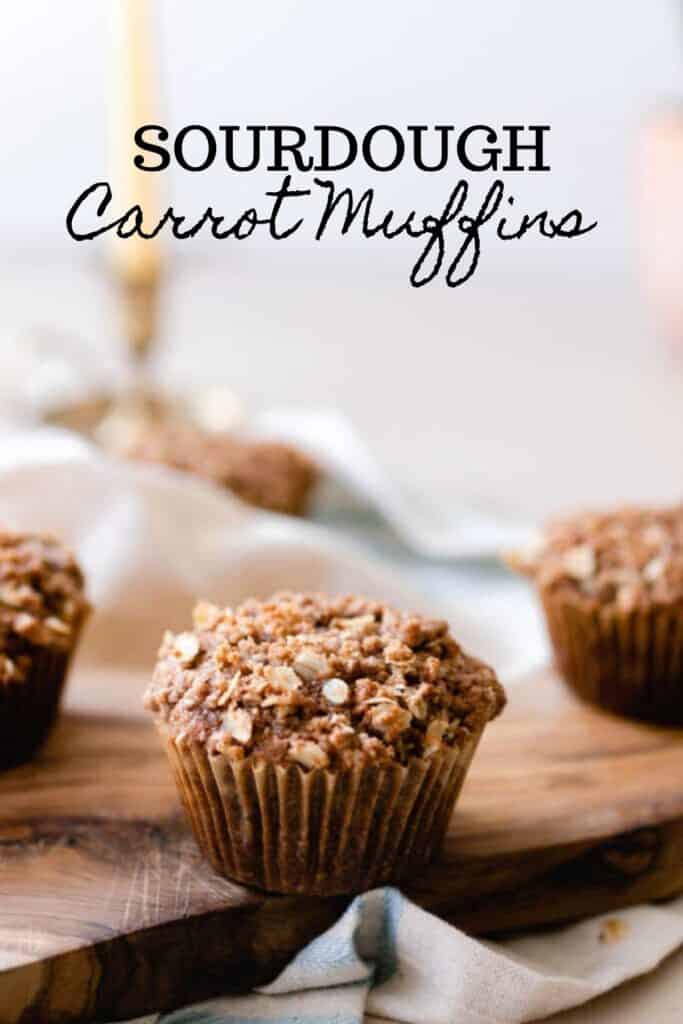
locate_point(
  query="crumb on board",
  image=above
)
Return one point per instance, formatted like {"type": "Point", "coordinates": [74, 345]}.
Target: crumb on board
{"type": "Point", "coordinates": [612, 930]}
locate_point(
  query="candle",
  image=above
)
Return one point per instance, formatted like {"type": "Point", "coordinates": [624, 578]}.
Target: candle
{"type": "Point", "coordinates": [136, 262]}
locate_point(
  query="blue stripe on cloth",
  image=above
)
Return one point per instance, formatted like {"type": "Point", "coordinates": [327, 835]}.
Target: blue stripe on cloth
{"type": "Point", "coordinates": [387, 954]}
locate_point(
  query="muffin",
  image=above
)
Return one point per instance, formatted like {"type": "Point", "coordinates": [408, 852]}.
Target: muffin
{"type": "Point", "coordinates": [318, 743]}
{"type": "Point", "coordinates": [611, 586]}
{"type": "Point", "coordinates": [267, 474]}
{"type": "Point", "coordinates": [42, 610]}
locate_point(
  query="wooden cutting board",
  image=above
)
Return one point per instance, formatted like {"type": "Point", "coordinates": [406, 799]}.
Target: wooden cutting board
{"type": "Point", "coordinates": [107, 910]}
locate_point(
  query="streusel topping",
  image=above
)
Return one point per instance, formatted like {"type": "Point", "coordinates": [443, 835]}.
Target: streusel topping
{"type": "Point", "coordinates": [320, 682]}
{"type": "Point", "coordinates": [628, 558]}
{"type": "Point", "coordinates": [41, 599]}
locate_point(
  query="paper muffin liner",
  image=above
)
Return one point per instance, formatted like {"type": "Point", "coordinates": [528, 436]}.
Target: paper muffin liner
{"type": "Point", "coordinates": [628, 662]}
{"type": "Point", "coordinates": [28, 708]}
{"type": "Point", "coordinates": [319, 832]}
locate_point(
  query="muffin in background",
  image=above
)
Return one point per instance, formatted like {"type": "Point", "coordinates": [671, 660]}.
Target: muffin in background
{"type": "Point", "coordinates": [319, 744]}
{"type": "Point", "coordinates": [42, 611]}
{"type": "Point", "coordinates": [268, 474]}
{"type": "Point", "coordinates": [611, 586]}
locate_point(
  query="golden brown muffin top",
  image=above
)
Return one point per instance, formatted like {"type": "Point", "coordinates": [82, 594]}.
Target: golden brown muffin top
{"type": "Point", "coordinates": [628, 558]}
{"type": "Point", "coordinates": [320, 682]}
{"type": "Point", "coordinates": [41, 599]}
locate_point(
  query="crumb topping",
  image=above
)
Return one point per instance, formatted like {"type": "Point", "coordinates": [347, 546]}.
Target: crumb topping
{"type": "Point", "coordinates": [627, 558]}
{"type": "Point", "coordinates": [320, 682]}
{"type": "Point", "coordinates": [264, 473]}
{"type": "Point", "coordinates": [41, 599]}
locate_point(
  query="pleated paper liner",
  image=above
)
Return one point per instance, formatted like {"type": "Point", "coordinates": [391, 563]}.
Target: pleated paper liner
{"type": "Point", "coordinates": [628, 662]}
{"type": "Point", "coordinates": [28, 709]}
{"type": "Point", "coordinates": [284, 829]}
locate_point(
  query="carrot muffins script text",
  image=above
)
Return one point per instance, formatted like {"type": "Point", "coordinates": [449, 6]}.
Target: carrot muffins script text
{"type": "Point", "coordinates": [451, 236]}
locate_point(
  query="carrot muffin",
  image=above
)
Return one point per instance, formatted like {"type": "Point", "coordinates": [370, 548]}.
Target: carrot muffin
{"type": "Point", "coordinates": [267, 474]}
{"type": "Point", "coordinates": [319, 743]}
{"type": "Point", "coordinates": [42, 610]}
{"type": "Point", "coordinates": [611, 586]}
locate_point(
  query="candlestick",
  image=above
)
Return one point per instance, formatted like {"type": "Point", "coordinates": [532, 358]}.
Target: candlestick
{"type": "Point", "coordinates": [136, 262]}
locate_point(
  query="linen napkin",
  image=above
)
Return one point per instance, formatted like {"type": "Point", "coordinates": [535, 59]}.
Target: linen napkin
{"type": "Point", "coordinates": [43, 369]}
{"type": "Point", "coordinates": [387, 958]}
{"type": "Point", "coordinates": [151, 541]}
{"type": "Point", "coordinates": [463, 530]}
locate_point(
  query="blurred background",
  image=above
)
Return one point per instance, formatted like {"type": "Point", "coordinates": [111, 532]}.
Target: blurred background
{"type": "Point", "coordinates": [552, 379]}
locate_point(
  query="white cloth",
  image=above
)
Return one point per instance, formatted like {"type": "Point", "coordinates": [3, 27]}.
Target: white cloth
{"type": "Point", "coordinates": [463, 531]}
{"type": "Point", "coordinates": [151, 541]}
{"type": "Point", "coordinates": [388, 958]}
{"type": "Point", "coordinates": [145, 529]}
{"type": "Point", "coordinates": [41, 369]}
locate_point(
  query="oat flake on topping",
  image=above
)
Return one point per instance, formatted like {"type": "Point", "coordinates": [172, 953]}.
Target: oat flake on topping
{"type": "Point", "coordinates": [626, 558]}
{"type": "Point", "coordinates": [41, 599]}
{"type": "Point", "coordinates": [320, 682]}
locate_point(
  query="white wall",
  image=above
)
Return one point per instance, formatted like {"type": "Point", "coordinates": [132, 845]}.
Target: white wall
{"type": "Point", "coordinates": [590, 69]}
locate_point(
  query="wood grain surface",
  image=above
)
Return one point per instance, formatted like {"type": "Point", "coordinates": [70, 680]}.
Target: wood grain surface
{"type": "Point", "coordinates": [107, 911]}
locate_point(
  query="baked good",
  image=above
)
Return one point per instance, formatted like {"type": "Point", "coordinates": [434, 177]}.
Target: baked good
{"type": "Point", "coordinates": [42, 610]}
{"type": "Point", "coordinates": [267, 474]}
{"type": "Point", "coordinates": [611, 586]}
{"type": "Point", "coordinates": [319, 743]}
